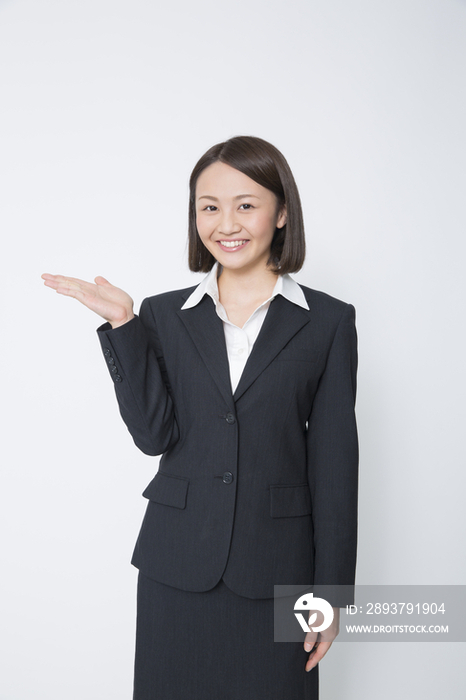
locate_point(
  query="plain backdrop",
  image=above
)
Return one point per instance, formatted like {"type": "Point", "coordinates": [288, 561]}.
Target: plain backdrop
{"type": "Point", "coordinates": [105, 106]}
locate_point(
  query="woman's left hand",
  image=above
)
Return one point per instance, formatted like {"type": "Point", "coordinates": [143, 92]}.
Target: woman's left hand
{"type": "Point", "coordinates": [322, 641]}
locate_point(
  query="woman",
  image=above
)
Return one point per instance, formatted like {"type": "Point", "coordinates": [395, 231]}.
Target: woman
{"type": "Point", "coordinates": [246, 385]}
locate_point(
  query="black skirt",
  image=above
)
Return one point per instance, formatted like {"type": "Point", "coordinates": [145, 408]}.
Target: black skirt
{"type": "Point", "coordinates": [214, 645]}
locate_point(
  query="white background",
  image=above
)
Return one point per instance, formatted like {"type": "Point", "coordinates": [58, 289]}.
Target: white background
{"type": "Point", "coordinates": [105, 108]}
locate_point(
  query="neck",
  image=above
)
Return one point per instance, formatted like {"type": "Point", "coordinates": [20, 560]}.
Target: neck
{"type": "Point", "coordinates": [246, 284]}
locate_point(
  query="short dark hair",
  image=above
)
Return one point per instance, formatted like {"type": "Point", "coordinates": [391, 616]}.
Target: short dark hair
{"type": "Point", "coordinates": [264, 164]}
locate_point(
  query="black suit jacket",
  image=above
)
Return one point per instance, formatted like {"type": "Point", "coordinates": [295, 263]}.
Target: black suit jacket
{"type": "Point", "coordinates": [260, 486]}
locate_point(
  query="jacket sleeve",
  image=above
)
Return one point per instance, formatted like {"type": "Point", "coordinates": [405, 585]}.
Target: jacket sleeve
{"type": "Point", "coordinates": [332, 445]}
{"type": "Point", "coordinates": [143, 395]}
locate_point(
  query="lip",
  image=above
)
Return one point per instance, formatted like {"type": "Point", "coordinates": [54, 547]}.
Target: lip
{"type": "Point", "coordinates": [233, 249]}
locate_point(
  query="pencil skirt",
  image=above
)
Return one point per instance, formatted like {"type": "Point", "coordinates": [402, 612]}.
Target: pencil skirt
{"type": "Point", "coordinates": [214, 645]}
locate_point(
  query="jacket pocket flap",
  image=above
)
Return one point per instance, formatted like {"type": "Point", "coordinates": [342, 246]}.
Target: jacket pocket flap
{"type": "Point", "coordinates": [167, 489]}
{"type": "Point", "coordinates": [290, 500]}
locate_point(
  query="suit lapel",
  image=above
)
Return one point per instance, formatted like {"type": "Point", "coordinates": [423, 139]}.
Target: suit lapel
{"type": "Point", "coordinates": [206, 330]}
{"type": "Point", "coordinates": [283, 320]}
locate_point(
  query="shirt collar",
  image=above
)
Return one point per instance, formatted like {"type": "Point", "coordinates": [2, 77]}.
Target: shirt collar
{"type": "Point", "coordinates": [285, 285]}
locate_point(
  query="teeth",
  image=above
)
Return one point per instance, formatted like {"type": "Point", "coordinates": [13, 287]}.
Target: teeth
{"type": "Point", "coordinates": [232, 244]}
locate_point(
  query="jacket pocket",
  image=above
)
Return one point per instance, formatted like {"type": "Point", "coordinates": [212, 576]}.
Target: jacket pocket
{"type": "Point", "coordinates": [291, 500]}
{"type": "Point", "coordinates": [168, 490]}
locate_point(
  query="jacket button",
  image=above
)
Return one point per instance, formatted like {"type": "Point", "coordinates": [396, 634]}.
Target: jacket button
{"type": "Point", "coordinates": [107, 352]}
{"type": "Point", "coordinates": [228, 477]}
{"type": "Point", "coordinates": [110, 360]}
{"type": "Point", "coordinates": [230, 418]}
{"type": "Point", "coordinates": [114, 369]}
{"type": "Point", "coordinates": [117, 378]}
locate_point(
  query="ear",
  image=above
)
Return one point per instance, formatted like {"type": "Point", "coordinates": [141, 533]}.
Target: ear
{"type": "Point", "coordinates": [281, 221]}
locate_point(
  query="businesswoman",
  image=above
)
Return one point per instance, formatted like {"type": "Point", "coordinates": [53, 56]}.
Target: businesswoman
{"type": "Point", "coordinates": [245, 384]}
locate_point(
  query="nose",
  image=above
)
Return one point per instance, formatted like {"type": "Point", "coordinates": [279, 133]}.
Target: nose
{"type": "Point", "coordinates": [228, 225]}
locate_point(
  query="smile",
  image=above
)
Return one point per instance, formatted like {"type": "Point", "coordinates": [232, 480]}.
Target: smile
{"type": "Point", "coordinates": [232, 245]}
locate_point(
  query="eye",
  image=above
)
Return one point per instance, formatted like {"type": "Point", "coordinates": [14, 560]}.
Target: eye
{"type": "Point", "coordinates": [209, 207]}
{"type": "Point", "coordinates": [247, 206]}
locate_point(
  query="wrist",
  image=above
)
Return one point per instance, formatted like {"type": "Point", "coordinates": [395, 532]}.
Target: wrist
{"type": "Point", "coordinates": [117, 324]}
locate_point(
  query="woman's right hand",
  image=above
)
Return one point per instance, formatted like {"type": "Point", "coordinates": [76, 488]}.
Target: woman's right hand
{"type": "Point", "coordinates": [112, 303]}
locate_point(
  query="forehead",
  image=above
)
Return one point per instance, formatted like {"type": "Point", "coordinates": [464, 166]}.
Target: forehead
{"type": "Point", "coordinates": [221, 180]}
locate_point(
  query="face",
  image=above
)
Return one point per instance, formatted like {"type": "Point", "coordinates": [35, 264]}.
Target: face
{"type": "Point", "coordinates": [236, 217]}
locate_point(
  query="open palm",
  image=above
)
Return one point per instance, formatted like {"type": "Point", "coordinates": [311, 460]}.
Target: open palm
{"type": "Point", "coordinates": [112, 303]}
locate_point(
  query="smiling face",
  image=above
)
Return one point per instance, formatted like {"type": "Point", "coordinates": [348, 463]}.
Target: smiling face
{"type": "Point", "coordinates": [236, 217]}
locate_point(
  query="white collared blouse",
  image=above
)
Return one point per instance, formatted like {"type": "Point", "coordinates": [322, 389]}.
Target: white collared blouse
{"type": "Point", "coordinates": [240, 341]}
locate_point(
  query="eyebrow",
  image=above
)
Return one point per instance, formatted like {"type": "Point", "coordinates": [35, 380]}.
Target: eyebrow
{"type": "Point", "coordinates": [239, 196]}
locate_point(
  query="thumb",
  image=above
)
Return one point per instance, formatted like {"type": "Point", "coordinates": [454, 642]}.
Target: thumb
{"type": "Point", "coordinates": [102, 281]}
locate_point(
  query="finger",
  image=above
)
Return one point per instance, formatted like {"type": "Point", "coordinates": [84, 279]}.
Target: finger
{"type": "Point", "coordinates": [316, 656]}
{"type": "Point", "coordinates": [71, 287]}
{"type": "Point", "coordinates": [50, 280]}
{"type": "Point", "coordinates": [65, 285]}
{"type": "Point", "coordinates": [309, 640]}
{"type": "Point", "coordinates": [101, 280]}
{"type": "Point", "coordinates": [74, 292]}
{"type": "Point", "coordinates": [62, 278]}
{"type": "Point", "coordinates": [53, 283]}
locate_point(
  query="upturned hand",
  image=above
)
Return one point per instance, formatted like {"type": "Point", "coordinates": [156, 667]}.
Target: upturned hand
{"type": "Point", "coordinates": [112, 303]}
